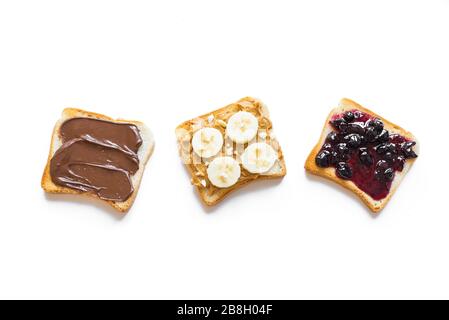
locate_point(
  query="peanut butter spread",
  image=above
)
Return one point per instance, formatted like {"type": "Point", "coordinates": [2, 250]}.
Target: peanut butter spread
{"type": "Point", "coordinates": [97, 156]}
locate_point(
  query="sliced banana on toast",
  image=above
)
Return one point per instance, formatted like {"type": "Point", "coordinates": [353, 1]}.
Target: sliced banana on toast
{"type": "Point", "coordinates": [207, 142]}
{"type": "Point", "coordinates": [223, 172]}
{"type": "Point", "coordinates": [259, 158]}
{"type": "Point", "coordinates": [230, 148]}
{"type": "Point", "coordinates": [242, 127]}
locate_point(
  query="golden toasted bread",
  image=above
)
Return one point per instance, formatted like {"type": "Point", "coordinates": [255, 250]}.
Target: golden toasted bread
{"type": "Point", "coordinates": [144, 155]}
{"type": "Point", "coordinates": [197, 167]}
{"type": "Point", "coordinates": [329, 173]}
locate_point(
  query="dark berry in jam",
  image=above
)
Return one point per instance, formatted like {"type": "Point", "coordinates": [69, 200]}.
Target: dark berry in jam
{"type": "Point", "coordinates": [365, 158]}
{"type": "Point", "coordinates": [371, 134]}
{"type": "Point", "coordinates": [407, 149]}
{"type": "Point", "coordinates": [384, 174]}
{"type": "Point", "coordinates": [399, 163]}
{"type": "Point", "coordinates": [349, 116]}
{"type": "Point", "coordinates": [408, 145]}
{"type": "Point", "coordinates": [382, 164]}
{"type": "Point", "coordinates": [363, 151]}
{"type": "Point", "coordinates": [344, 127]}
{"type": "Point", "coordinates": [381, 148]}
{"type": "Point", "coordinates": [339, 123]}
{"type": "Point", "coordinates": [377, 124]}
{"type": "Point", "coordinates": [334, 157]}
{"type": "Point", "coordinates": [344, 170]}
{"type": "Point", "coordinates": [353, 140]}
{"type": "Point", "coordinates": [342, 151]}
{"type": "Point", "coordinates": [323, 159]}
{"type": "Point", "coordinates": [332, 137]}
{"type": "Point", "coordinates": [389, 174]}
{"type": "Point", "coordinates": [391, 147]}
{"type": "Point", "coordinates": [384, 136]}
{"type": "Point", "coordinates": [357, 114]}
{"type": "Point", "coordinates": [410, 154]}
{"type": "Point", "coordinates": [389, 157]}
{"type": "Point", "coordinates": [356, 128]}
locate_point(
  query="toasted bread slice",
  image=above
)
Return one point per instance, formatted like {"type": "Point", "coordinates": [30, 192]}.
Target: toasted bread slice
{"type": "Point", "coordinates": [144, 154]}
{"type": "Point", "coordinates": [209, 194]}
{"type": "Point", "coordinates": [329, 173]}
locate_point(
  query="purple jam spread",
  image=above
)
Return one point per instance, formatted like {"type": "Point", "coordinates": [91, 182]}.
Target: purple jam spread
{"type": "Point", "coordinates": [363, 151]}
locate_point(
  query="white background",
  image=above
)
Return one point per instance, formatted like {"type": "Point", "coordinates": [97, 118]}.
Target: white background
{"type": "Point", "coordinates": [164, 62]}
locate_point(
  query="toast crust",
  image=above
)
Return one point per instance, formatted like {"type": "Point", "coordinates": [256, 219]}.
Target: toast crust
{"type": "Point", "coordinates": [329, 173]}
{"type": "Point", "coordinates": [209, 194]}
{"type": "Point", "coordinates": [68, 113]}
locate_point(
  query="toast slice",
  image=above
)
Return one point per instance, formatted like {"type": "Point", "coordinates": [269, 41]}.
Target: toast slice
{"type": "Point", "coordinates": [209, 194]}
{"type": "Point", "coordinates": [330, 172]}
{"type": "Point", "coordinates": [144, 154]}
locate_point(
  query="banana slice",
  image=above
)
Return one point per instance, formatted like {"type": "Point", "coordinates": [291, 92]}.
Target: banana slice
{"type": "Point", "coordinates": [223, 172]}
{"type": "Point", "coordinates": [207, 142]}
{"type": "Point", "coordinates": [259, 158]}
{"type": "Point", "coordinates": [242, 127]}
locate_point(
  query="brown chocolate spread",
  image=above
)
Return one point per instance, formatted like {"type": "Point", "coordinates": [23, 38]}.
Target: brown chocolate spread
{"type": "Point", "coordinates": [97, 156]}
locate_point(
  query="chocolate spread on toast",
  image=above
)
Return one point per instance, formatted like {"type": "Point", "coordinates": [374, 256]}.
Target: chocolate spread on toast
{"type": "Point", "coordinates": [97, 156]}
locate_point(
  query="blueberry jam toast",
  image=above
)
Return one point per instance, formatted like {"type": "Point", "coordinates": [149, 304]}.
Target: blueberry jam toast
{"type": "Point", "coordinates": [364, 153]}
